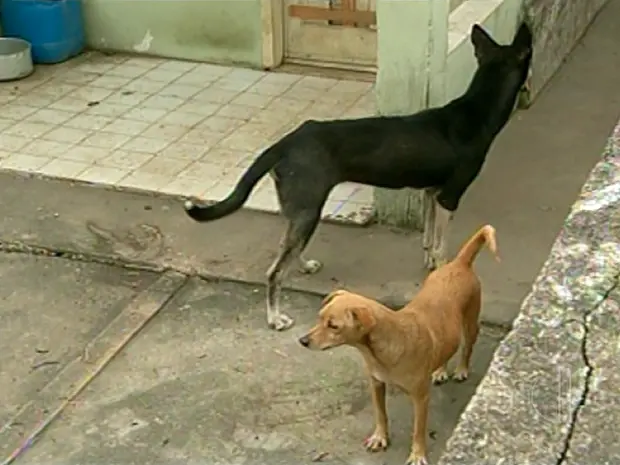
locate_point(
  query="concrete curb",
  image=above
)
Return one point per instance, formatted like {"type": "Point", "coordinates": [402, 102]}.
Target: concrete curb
{"type": "Point", "coordinates": [35, 416]}
{"type": "Point", "coordinates": [548, 395]}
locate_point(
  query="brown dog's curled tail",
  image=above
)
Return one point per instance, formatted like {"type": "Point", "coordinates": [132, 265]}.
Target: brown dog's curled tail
{"type": "Point", "coordinates": [485, 235]}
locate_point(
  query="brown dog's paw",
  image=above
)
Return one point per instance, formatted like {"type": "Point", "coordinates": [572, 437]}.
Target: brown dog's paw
{"type": "Point", "coordinates": [416, 460]}
{"type": "Point", "coordinates": [376, 442]}
{"type": "Point", "coordinates": [440, 376]}
{"type": "Point", "coordinates": [460, 375]}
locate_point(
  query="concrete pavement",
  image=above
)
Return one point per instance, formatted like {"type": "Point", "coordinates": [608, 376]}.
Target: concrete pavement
{"type": "Point", "coordinates": [205, 380]}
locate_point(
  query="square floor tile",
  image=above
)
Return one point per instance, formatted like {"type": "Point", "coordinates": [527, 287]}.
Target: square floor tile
{"type": "Point", "coordinates": [85, 154]}
{"type": "Point", "coordinates": [128, 127]}
{"type": "Point", "coordinates": [90, 94]}
{"type": "Point", "coordinates": [218, 191]}
{"type": "Point", "coordinates": [145, 114]}
{"type": "Point", "coordinates": [102, 174]}
{"type": "Point", "coordinates": [63, 168]}
{"type": "Point", "coordinates": [67, 135]}
{"type": "Point", "coordinates": [88, 122]}
{"type": "Point", "coordinates": [95, 68]}
{"type": "Point", "coordinates": [113, 110]}
{"type": "Point", "coordinates": [245, 74]}
{"type": "Point", "coordinates": [110, 82]}
{"type": "Point", "coordinates": [50, 116]}
{"type": "Point", "coordinates": [225, 157]}
{"type": "Point", "coordinates": [164, 166]}
{"type": "Point", "coordinates": [58, 89]}
{"type": "Point", "coordinates": [126, 97]}
{"type": "Point", "coordinates": [220, 124]}
{"type": "Point", "coordinates": [163, 75]}
{"type": "Point", "coordinates": [127, 71]}
{"type": "Point", "coordinates": [306, 94]}
{"type": "Point", "coordinates": [29, 130]}
{"type": "Point", "coordinates": [178, 65]}
{"type": "Point", "coordinates": [235, 85]}
{"type": "Point", "coordinates": [125, 160]}
{"type": "Point", "coordinates": [145, 144]}
{"type": "Point", "coordinates": [17, 112]}
{"type": "Point", "coordinates": [216, 95]}
{"type": "Point", "coordinates": [35, 99]}
{"type": "Point", "coordinates": [208, 173]}
{"type": "Point", "coordinates": [6, 123]}
{"type": "Point", "coordinates": [22, 162]}
{"type": "Point", "coordinates": [184, 151]}
{"type": "Point", "coordinates": [106, 140]}
{"type": "Point", "coordinates": [145, 62]}
{"type": "Point", "coordinates": [183, 91]}
{"type": "Point", "coordinates": [46, 148]}
{"type": "Point", "coordinates": [240, 112]}
{"type": "Point", "coordinates": [263, 200]}
{"type": "Point", "coordinates": [201, 136]}
{"type": "Point", "coordinates": [70, 104]}
{"type": "Point", "coordinates": [343, 191]}
{"type": "Point", "coordinates": [249, 99]}
{"type": "Point", "coordinates": [167, 132]}
{"type": "Point", "coordinates": [186, 186]}
{"type": "Point", "coordinates": [144, 86]}
{"type": "Point", "coordinates": [201, 108]}
{"type": "Point", "coordinates": [163, 102]}
{"type": "Point", "coordinates": [12, 143]}
{"type": "Point", "coordinates": [181, 118]}
{"type": "Point", "coordinates": [145, 181]}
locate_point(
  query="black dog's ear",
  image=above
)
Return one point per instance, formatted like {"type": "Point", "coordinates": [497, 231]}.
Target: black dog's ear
{"type": "Point", "coordinates": [483, 43]}
{"type": "Point", "coordinates": [522, 43]}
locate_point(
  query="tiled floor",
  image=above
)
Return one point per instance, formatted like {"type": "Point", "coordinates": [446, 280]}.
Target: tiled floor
{"type": "Point", "coordinates": [169, 126]}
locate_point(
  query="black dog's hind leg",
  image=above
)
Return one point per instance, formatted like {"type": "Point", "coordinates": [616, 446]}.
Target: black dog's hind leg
{"type": "Point", "coordinates": [428, 203]}
{"type": "Point", "coordinates": [296, 237]}
{"type": "Point", "coordinates": [440, 231]}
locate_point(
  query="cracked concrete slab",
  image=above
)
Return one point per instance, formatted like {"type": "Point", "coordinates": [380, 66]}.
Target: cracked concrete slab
{"type": "Point", "coordinates": [207, 381]}
{"type": "Point", "coordinates": [51, 309]}
{"type": "Point", "coordinates": [562, 351]}
{"type": "Point", "coordinates": [597, 427]}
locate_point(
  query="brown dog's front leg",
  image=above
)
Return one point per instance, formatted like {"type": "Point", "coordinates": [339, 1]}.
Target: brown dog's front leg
{"type": "Point", "coordinates": [420, 400]}
{"type": "Point", "coordinates": [379, 439]}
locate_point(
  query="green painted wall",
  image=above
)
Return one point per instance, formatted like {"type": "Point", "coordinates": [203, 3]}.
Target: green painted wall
{"type": "Point", "coordinates": [216, 31]}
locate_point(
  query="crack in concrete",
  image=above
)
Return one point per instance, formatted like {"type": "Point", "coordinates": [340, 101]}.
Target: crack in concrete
{"type": "Point", "coordinates": [589, 370]}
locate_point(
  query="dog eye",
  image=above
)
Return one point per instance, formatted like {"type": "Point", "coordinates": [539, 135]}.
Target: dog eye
{"type": "Point", "coordinates": [331, 325]}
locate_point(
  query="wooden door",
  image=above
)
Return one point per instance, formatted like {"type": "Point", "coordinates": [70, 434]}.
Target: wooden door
{"type": "Point", "coordinates": [334, 33]}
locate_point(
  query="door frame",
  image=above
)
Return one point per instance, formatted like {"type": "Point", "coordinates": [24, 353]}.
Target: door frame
{"type": "Point", "coordinates": [273, 30]}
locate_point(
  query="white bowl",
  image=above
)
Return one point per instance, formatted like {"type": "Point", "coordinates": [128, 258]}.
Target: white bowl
{"type": "Point", "coordinates": [15, 59]}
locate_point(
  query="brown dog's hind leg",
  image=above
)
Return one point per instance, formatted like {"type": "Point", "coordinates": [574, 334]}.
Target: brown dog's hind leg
{"type": "Point", "coordinates": [470, 335]}
{"type": "Point", "coordinates": [420, 399]}
{"type": "Point", "coordinates": [296, 236]}
{"type": "Point", "coordinates": [379, 438]}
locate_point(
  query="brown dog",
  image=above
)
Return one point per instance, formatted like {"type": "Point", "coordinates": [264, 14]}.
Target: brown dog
{"type": "Point", "coordinates": [412, 346]}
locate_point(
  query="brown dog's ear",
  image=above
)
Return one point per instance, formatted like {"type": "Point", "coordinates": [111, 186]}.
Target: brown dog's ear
{"type": "Point", "coordinates": [332, 295]}
{"type": "Point", "coordinates": [483, 43]}
{"type": "Point", "coordinates": [362, 316]}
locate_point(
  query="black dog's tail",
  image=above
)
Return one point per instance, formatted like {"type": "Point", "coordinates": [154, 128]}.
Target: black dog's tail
{"type": "Point", "coordinates": [240, 193]}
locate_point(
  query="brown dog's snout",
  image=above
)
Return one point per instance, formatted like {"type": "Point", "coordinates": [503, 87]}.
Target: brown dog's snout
{"type": "Point", "coordinates": [304, 340]}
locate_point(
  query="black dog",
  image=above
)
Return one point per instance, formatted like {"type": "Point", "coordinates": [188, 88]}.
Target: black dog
{"type": "Point", "coordinates": [440, 150]}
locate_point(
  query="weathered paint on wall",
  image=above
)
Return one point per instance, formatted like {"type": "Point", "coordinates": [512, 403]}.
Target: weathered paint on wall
{"type": "Point", "coordinates": [217, 31]}
{"type": "Point", "coordinates": [557, 27]}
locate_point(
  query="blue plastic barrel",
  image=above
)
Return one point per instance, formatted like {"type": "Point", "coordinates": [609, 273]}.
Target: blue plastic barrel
{"type": "Point", "coordinates": [55, 28]}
